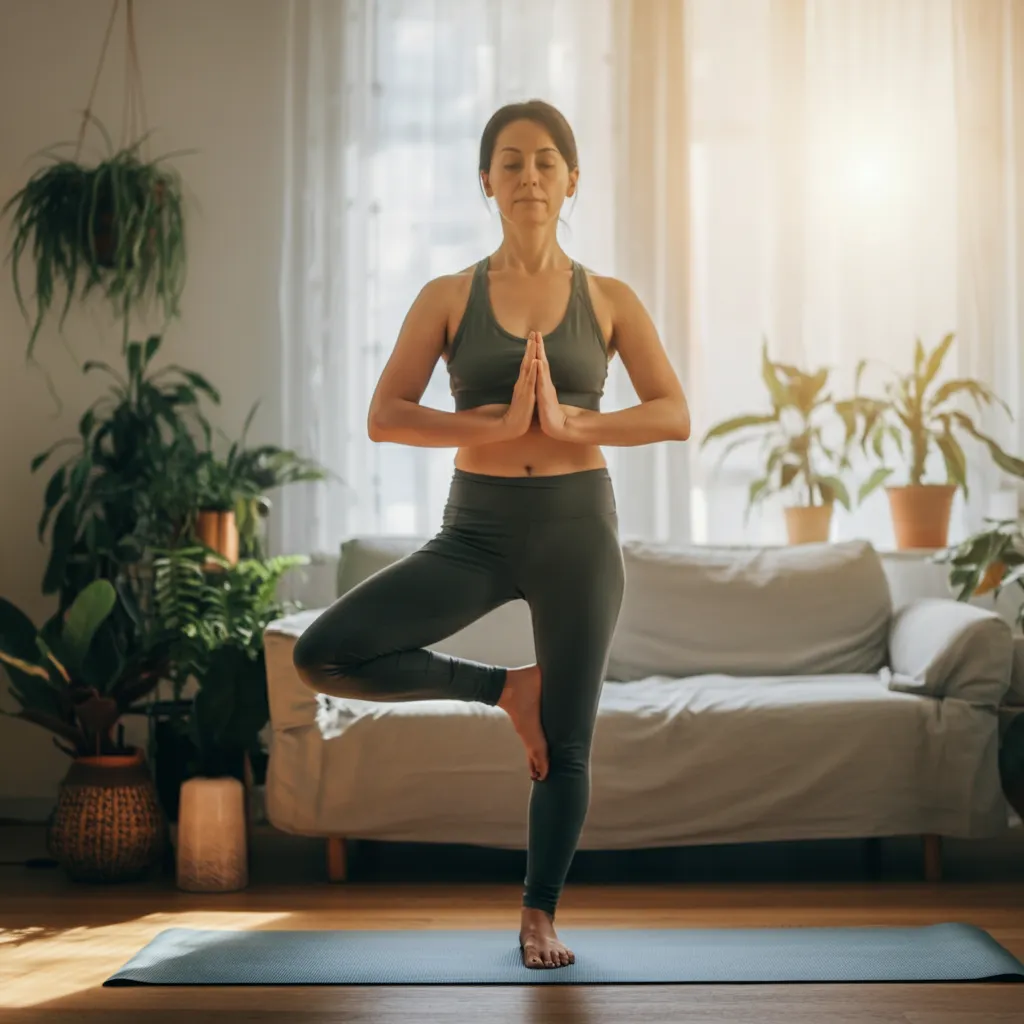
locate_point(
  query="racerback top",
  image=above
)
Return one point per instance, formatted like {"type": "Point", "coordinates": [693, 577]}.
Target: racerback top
{"type": "Point", "coordinates": [485, 359]}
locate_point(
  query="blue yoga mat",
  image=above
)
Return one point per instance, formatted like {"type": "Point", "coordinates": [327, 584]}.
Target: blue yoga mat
{"type": "Point", "coordinates": [604, 956]}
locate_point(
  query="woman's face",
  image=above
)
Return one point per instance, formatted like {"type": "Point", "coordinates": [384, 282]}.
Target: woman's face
{"type": "Point", "coordinates": [528, 177]}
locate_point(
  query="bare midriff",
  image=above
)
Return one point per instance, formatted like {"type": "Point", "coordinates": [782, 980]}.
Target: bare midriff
{"type": "Point", "coordinates": [531, 454]}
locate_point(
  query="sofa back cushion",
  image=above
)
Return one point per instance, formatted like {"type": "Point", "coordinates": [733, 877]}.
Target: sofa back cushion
{"type": "Point", "coordinates": [813, 608]}
{"type": "Point", "coordinates": [799, 610]}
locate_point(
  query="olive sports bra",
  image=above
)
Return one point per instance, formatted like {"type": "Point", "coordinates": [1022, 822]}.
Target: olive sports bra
{"type": "Point", "coordinates": [485, 359]}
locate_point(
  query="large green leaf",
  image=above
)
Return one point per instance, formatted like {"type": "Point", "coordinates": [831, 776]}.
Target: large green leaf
{"type": "Point", "coordinates": [934, 362]}
{"type": "Point", "coordinates": [84, 617]}
{"type": "Point", "coordinates": [17, 635]}
{"type": "Point", "coordinates": [758, 490]}
{"type": "Point", "coordinates": [1006, 462]}
{"type": "Point", "coordinates": [978, 391]}
{"type": "Point", "coordinates": [833, 489]}
{"type": "Point", "coordinates": [873, 482]}
{"type": "Point", "coordinates": [777, 391]}
{"type": "Point", "coordinates": [61, 541]}
{"type": "Point", "coordinates": [953, 455]}
{"type": "Point", "coordinates": [738, 423]}
{"type": "Point", "coordinates": [807, 388]}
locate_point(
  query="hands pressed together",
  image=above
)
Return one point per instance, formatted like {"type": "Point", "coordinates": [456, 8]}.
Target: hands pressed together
{"type": "Point", "coordinates": [534, 391]}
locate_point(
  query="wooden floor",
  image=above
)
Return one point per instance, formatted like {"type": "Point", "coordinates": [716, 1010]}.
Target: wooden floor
{"type": "Point", "coordinates": [59, 940]}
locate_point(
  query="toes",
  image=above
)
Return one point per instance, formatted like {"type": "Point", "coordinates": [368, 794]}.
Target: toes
{"type": "Point", "coordinates": [530, 958]}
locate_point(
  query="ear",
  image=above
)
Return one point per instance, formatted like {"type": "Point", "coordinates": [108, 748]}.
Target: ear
{"type": "Point", "coordinates": [487, 185]}
{"type": "Point", "coordinates": [574, 177]}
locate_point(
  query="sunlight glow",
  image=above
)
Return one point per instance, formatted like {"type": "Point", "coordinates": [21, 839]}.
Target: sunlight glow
{"type": "Point", "coordinates": [39, 967]}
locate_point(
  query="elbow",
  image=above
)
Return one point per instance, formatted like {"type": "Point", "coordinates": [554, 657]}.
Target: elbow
{"type": "Point", "coordinates": [683, 427]}
{"type": "Point", "coordinates": [374, 425]}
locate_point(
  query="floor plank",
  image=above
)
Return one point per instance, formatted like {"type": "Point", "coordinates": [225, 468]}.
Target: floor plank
{"type": "Point", "coordinates": [59, 940]}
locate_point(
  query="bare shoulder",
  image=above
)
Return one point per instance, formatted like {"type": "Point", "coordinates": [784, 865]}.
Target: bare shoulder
{"type": "Point", "coordinates": [605, 297]}
{"type": "Point", "coordinates": [451, 293]}
{"type": "Point", "coordinates": [615, 294]}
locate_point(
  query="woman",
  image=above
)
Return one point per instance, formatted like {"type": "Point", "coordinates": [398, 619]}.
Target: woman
{"type": "Point", "coordinates": [527, 335]}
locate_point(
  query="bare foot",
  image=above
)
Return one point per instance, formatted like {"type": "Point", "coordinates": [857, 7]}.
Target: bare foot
{"type": "Point", "coordinates": [539, 943]}
{"type": "Point", "coordinates": [520, 700]}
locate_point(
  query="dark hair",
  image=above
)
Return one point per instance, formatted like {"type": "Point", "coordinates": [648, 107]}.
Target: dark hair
{"type": "Point", "coordinates": [541, 113]}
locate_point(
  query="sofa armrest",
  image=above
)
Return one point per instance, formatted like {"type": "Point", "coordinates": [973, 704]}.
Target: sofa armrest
{"type": "Point", "coordinates": [940, 647]}
{"type": "Point", "coordinates": [292, 703]}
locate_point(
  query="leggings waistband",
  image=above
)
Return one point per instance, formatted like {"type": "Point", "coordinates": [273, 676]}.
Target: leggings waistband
{"type": "Point", "coordinates": [587, 492]}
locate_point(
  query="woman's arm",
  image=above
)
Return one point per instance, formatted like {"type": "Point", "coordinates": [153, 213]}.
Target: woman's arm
{"type": "Point", "coordinates": [424, 427]}
{"type": "Point", "coordinates": [663, 413]}
{"type": "Point", "coordinates": [395, 413]}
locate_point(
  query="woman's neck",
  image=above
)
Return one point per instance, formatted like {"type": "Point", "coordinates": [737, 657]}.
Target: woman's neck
{"type": "Point", "coordinates": [529, 256]}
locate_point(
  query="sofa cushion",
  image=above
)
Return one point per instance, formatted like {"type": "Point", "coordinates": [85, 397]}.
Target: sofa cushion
{"type": "Point", "coordinates": [799, 610]}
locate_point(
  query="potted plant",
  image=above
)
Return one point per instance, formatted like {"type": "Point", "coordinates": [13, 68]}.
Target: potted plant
{"type": "Point", "coordinates": [127, 483]}
{"type": "Point", "coordinates": [70, 678]}
{"type": "Point", "coordinates": [987, 561]}
{"type": "Point", "coordinates": [117, 226]}
{"type": "Point", "coordinates": [232, 496]}
{"type": "Point", "coordinates": [799, 461]}
{"type": "Point", "coordinates": [223, 650]}
{"type": "Point", "coordinates": [914, 416]}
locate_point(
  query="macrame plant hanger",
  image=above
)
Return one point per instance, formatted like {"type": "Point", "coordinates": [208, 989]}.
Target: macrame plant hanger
{"type": "Point", "coordinates": [133, 114]}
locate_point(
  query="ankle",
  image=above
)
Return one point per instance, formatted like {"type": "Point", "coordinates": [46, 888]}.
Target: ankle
{"type": "Point", "coordinates": [511, 674]}
{"type": "Point", "coordinates": [533, 917]}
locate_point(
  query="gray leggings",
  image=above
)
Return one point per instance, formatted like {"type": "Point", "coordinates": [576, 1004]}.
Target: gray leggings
{"type": "Point", "coordinates": [551, 541]}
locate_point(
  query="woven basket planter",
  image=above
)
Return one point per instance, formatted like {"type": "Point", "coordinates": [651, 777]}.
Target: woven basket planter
{"type": "Point", "coordinates": [108, 825]}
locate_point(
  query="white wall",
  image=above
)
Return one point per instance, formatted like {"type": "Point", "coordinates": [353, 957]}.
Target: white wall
{"type": "Point", "coordinates": [213, 78]}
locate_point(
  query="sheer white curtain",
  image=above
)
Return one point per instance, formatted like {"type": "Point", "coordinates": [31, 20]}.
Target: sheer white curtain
{"type": "Point", "coordinates": [838, 176]}
{"type": "Point", "coordinates": [852, 166]}
{"type": "Point", "coordinates": [388, 101]}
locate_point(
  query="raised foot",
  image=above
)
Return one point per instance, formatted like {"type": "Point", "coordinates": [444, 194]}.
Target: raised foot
{"type": "Point", "coordinates": [520, 700]}
{"type": "Point", "coordinates": [539, 944]}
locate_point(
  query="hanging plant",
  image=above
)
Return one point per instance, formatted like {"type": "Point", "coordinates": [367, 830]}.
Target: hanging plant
{"type": "Point", "coordinates": [116, 227]}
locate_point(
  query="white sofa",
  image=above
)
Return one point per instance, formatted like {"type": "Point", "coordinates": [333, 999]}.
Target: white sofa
{"type": "Point", "coordinates": [752, 694]}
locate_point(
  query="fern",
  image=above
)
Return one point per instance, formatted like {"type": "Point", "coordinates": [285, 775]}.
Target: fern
{"type": "Point", "coordinates": [207, 603]}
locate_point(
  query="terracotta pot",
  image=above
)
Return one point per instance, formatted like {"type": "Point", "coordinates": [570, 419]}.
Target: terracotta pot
{"type": "Point", "coordinates": [108, 825]}
{"type": "Point", "coordinates": [219, 531]}
{"type": "Point", "coordinates": [808, 524]}
{"type": "Point", "coordinates": [212, 854]}
{"type": "Point", "coordinates": [993, 574]}
{"type": "Point", "coordinates": [920, 514]}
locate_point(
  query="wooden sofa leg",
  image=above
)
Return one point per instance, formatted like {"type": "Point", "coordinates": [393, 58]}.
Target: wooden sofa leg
{"type": "Point", "coordinates": [932, 858]}
{"type": "Point", "coordinates": [337, 858]}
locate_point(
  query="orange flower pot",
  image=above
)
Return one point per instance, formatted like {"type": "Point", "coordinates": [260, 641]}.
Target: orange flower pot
{"type": "Point", "coordinates": [808, 524]}
{"type": "Point", "coordinates": [920, 514]}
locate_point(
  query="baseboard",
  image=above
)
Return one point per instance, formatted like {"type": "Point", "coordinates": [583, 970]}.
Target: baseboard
{"type": "Point", "coordinates": [30, 810]}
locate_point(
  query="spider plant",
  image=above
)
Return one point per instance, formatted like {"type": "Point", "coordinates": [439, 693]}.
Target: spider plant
{"type": "Point", "coordinates": [117, 227]}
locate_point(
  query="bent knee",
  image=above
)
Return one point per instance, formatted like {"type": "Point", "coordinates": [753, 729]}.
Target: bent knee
{"type": "Point", "coordinates": [322, 660]}
{"type": "Point", "coordinates": [306, 654]}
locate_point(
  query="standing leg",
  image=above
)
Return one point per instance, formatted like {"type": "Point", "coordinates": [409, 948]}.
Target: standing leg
{"type": "Point", "coordinates": [370, 643]}
{"type": "Point", "coordinates": [574, 588]}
